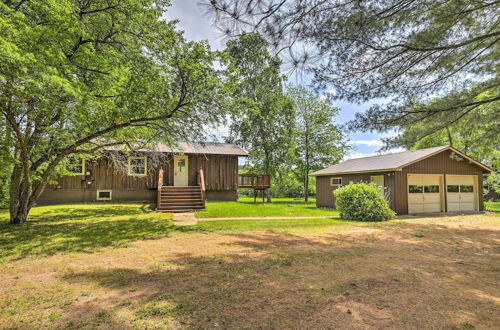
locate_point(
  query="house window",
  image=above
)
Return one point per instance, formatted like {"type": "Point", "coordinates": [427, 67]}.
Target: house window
{"type": "Point", "coordinates": [335, 182]}
{"type": "Point", "coordinates": [104, 195]}
{"type": "Point", "coordinates": [137, 166]}
{"type": "Point", "coordinates": [76, 165]}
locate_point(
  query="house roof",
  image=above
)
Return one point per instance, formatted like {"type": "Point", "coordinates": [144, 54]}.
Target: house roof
{"type": "Point", "coordinates": [389, 162]}
{"type": "Point", "coordinates": [208, 148]}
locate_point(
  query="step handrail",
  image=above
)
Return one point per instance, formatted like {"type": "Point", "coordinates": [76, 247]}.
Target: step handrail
{"type": "Point", "coordinates": [160, 184]}
{"type": "Point", "coordinates": [201, 183]}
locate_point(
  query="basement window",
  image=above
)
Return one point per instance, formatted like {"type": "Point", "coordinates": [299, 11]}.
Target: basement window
{"type": "Point", "coordinates": [104, 195]}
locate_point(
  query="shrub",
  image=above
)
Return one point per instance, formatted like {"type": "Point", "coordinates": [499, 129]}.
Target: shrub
{"type": "Point", "coordinates": [362, 202]}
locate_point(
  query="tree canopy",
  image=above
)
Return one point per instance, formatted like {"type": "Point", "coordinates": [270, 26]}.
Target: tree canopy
{"type": "Point", "coordinates": [319, 142]}
{"type": "Point", "coordinates": [76, 76]}
{"type": "Point", "coordinates": [431, 62]}
{"type": "Point", "coordinates": [262, 117]}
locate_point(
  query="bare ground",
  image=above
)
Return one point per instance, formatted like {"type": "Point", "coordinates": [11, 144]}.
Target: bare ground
{"type": "Point", "coordinates": [421, 273]}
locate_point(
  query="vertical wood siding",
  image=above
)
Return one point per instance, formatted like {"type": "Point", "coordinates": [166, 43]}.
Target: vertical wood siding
{"type": "Point", "coordinates": [324, 191]}
{"type": "Point", "coordinates": [221, 174]}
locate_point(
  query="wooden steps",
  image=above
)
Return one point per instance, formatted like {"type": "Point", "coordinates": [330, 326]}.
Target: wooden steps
{"type": "Point", "coordinates": [174, 199]}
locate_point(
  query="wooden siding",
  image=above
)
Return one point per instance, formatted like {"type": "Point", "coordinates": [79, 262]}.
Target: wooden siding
{"type": "Point", "coordinates": [324, 191]}
{"type": "Point", "coordinates": [437, 164]}
{"type": "Point", "coordinates": [221, 174]}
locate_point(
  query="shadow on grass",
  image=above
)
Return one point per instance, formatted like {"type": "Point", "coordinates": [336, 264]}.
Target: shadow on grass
{"type": "Point", "coordinates": [82, 229]}
{"type": "Point", "coordinates": [292, 281]}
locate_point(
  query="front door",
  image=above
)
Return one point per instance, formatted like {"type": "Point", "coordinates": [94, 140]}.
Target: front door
{"type": "Point", "coordinates": [180, 170]}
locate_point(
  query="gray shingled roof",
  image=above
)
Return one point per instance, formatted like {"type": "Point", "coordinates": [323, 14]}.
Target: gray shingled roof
{"type": "Point", "coordinates": [210, 148]}
{"type": "Point", "coordinates": [386, 162]}
{"type": "Point", "coordinates": [207, 148]}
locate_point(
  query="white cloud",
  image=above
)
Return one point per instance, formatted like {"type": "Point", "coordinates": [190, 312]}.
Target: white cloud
{"type": "Point", "coordinates": [370, 143]}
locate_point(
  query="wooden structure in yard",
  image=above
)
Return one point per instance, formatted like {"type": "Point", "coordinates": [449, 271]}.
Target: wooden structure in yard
{"type": "Point", "coordinates": [257, 182]}
{"type": "Point", "coordinates": [176, 179]}
{"type": "Point", "coordinates": [438, 179]}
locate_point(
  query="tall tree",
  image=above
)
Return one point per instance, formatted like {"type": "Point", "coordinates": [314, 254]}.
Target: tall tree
{"type": "Point", "coordinates": [319, 142]}
{"type": "Point", "coordinates": [263, 117]}
{"type": "Point", "coordinates": [76, 76]}
{"type": "Point", "coordinates": [403, 52]}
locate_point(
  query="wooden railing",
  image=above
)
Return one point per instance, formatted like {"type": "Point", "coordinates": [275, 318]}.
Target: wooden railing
{"type": "Point", "coordinates": [160, 184]}
{"type": "Point", "coordinates": [255, 181]}
{"type": "Point", "coordinates": [201, 183]}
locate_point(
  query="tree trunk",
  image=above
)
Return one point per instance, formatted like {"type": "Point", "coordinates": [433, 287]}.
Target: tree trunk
{"type": "Point", "coordinates": [306, 187]}
{"type": "Point", "coordinates": [20, 201]}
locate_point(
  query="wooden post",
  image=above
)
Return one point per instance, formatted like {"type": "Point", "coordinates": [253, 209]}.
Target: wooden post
{"type": "Point", "coordinates": [254, 196]}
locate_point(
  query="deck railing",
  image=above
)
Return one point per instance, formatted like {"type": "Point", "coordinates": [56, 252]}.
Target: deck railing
{"type": "Point", "coordinates": [201, 183]}
{"type": "Point", "coordinates": [254, 181]}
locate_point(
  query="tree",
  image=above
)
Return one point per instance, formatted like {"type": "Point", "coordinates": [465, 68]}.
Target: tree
{"type": "Point", "coordinates": [262, 116]}
{"type": "Point", "coordinates": [76, 76]}
{"type": "Point", "coordinates": [319, 142]}
{"type": "Point", "coordinates": [402, 52]}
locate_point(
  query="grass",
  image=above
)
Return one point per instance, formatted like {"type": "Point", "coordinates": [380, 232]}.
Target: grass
{"type": "Point", "coordinates": [80, 228]}
{"type": "Point", "coordinates": [280, 207]}
{"type": "Point", "coordinates": [492, 206]}
{"type": "Point", "coordinates": [121, 266]}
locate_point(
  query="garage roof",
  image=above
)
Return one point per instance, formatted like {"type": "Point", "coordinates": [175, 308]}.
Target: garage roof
{"type": "Point", "coordinates": [388, 162]}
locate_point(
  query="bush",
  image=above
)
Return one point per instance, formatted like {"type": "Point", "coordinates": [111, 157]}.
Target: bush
{"type": "Point", "coordinates": [362, 202]}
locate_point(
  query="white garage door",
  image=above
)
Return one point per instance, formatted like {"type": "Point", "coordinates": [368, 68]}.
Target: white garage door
{"type": "Point", "coordinates": [460, 192]}
{"type": "Point", "coordinates": [424, 193]}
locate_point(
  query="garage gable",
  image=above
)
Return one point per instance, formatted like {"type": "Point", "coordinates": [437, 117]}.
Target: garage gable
{"type": "Point", "coordinates": [448, 160]}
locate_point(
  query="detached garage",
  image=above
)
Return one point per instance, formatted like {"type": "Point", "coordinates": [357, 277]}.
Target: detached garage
{"type": "Point", "coordinates": [439, 179]}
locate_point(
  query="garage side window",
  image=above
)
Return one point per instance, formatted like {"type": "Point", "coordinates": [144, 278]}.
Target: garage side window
{"type": "Point", "coordinates": [414, 189]}
{"type": "Point", "coordinates": [335, 182]}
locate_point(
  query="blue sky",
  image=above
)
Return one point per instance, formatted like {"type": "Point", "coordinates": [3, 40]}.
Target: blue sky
{"type": "Point", "coordinates": [197, 26]}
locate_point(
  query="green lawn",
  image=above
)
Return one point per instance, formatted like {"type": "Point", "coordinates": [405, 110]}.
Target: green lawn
{"type": "Point", "coordinates": [80, 228]}
{"type": "Point", "coordinates": [280, 207]}
{"type": "Point", "coordinates": [492, 206]}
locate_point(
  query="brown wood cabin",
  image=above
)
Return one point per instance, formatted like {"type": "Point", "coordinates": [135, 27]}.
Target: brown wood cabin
{"type": "Point", "coordinates": [439, 179]}
{"type": "Point", "coordinates": [177, 180]}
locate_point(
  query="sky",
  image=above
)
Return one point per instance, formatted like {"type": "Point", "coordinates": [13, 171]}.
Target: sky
{"type": "Point", "coordinates": [197, 25]}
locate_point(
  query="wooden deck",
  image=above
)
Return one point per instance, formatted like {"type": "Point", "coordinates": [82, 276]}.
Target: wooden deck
{"type": "Point", "coordinates": [254, 181]}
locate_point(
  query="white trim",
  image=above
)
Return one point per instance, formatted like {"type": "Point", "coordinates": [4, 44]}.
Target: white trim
{"type": "Point", "coordinates": [145, 167]}
{"type": "Point", "coordinates": [357, 172]}
{"type": "Point", "coordinates": [336, 184]}
{"type": "Point", "coordinates": [104, 199]}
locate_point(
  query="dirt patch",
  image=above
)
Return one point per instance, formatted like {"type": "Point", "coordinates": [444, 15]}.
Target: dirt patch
{"type": "Point", "coordinates": [434, 273]}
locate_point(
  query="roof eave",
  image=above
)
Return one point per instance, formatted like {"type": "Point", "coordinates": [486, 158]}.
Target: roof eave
{"type": "Point", "coordinates": [355, 172]}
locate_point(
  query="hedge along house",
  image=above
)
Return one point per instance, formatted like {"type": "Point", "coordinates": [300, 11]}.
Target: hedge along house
{"type": "Point", "coordinates": [439, 179]}
{"type": "Point", "coordinates": [177, 179]}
